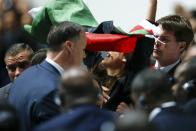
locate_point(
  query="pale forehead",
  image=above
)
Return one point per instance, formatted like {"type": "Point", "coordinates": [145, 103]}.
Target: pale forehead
{"type": "Point", "coordinates": [24, 55]}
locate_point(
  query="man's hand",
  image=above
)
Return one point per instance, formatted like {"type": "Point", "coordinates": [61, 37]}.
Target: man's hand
{"type": "Point", "coordinates": [123, 107]}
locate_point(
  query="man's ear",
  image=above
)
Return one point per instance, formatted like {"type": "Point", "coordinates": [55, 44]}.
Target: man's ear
{"type": "Point", "coordinates": [182, 46]}
{"type": "Point", "coordinates": [68, 46]}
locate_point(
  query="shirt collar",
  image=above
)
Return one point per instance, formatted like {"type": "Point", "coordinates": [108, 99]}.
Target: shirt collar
{"type": "Point", "coordinates": [157, 110]}
{"type": "Point", "coordinates": [168, 104]}
{"type": "Point", "coordinates": [166, 68]}
{"type": "Point", "coordinates": [55, 65]}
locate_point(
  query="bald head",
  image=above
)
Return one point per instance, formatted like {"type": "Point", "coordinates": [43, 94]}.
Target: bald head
{"type": "Point", "coordinates": [77, 87]}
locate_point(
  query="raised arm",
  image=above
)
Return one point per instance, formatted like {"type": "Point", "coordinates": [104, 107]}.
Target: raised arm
{"type": "Point", "coordinates": [151, 10]}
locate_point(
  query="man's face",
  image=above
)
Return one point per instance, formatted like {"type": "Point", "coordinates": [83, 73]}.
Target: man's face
{"type": "Point", "coordinates": [15, 65]}
{"type": "Point", "coordinates": [78, 51]}
{"type": "Point", "coordinates": [167, 51]}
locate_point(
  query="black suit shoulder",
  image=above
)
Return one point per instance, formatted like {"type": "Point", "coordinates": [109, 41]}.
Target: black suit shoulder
{"type": "Point", "coordinates": [174, 119]}
{"type": "Point", "coordinates": [32, 94]}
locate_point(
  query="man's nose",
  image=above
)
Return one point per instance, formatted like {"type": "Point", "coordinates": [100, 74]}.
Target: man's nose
{"type": "Point", "coordinates": [157, 43]}
{"type": "Point", "coordinates": [18, 71]}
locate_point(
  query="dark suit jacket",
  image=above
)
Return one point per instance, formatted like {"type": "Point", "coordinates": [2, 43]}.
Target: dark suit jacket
{"type": "Point", "coordinates": [172, 71]}
{"type": "Point", "coordinates": [190, 107]}
{"type": "Point", "coordinates": [81, 118]}
{"type": "Point", "coordinates": [4, 91]}
{"type": "Point", "coordinates": [33, 93]}
{"type": "Point", "coordinates": [174, 119]}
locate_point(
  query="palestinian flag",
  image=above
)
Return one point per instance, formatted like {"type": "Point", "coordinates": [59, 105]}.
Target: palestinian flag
{"type": "Point", "coordinates": [56, 11]}
{"type": "Point", "coordinates": [145, 27]}
{"type": "Point", "coordinates": [120, 41]}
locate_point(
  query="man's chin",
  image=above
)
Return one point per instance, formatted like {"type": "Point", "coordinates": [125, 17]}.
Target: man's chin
{"type": "Point", "coordinates": [155, 55]}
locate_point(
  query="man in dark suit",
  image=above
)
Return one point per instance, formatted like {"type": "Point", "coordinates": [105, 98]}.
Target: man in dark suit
{"type": "Point", "coordinates": [33, 92]}
{"type": "Point", "coordinates": [174, 36]}
{"type": "Point", "coordinates": [17, 59]}
{"type": "Point", "coordinates": [151, 91]}
{"type": "Point", "coordinates": [79, 96]}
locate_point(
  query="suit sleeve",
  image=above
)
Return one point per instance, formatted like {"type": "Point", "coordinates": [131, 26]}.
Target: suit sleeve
{"type": "Point", "coordinates": [44, 109]}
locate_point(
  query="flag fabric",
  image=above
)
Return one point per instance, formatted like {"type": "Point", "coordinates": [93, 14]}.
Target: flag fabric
{"type": "Point", "coordinates": [145, 27]}
{"type": "Point", "coordinates": [111, 42]}
{"type": "Point", "coordinates": [113, 38]}
{"type": "Point", "coordinates": [56, 11]}
{"type": "Point", "coordinates": [103, 37]}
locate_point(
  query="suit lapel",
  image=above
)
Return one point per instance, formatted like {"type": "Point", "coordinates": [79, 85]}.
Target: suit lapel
{"type": "Point", "coordinates": [171, 71]}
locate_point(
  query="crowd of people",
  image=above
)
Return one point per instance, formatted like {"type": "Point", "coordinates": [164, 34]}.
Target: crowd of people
{"type": "Point", "coordinates": [62, 86]}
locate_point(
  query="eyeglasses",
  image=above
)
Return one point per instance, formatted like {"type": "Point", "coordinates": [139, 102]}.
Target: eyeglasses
{"type": "Point", "coordinates": [22, 65]}
{"type": "Point", "coordinates": [157, 39]}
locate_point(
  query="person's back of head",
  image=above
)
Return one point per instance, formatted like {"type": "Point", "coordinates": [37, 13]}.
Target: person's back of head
{"type": "Point", "coordinates": [185, 75]}
{"type": "Point", "coordinates": [39, 56]}
{"type": "Point", "coordinates": [150, 88]}
{"type": "Point", "coordinates": [191, 52]}
{"type": "Point", "coordinates": [65, 31]}
{"type": "Point", "coordinates": [17, 59]}
{"type": "Point", "coordinates": [180, 26]}
{"type": "Point", "coordinates": [77, 87]}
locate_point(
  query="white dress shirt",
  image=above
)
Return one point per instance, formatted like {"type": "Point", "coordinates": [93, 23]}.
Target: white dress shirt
{"type": "Point", "coordinates": [55, 65]}
{"type": "Point", "coordinates": [157, 110]}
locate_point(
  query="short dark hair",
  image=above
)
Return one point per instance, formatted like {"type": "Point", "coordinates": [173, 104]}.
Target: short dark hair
{"type": "Point", "coordinates": [179, 25]}
{"type": "Point", "coordinates": [187, 82]}
{"type": "Point", "coordinates": [62, 32]}
{"type": "Point", "coordinates": [190, 71]}
{"type": "Point", "coordinates": [76, 87]}
{"type": "Point", "coordinates": [153, 82]}
{"type": "Point", "coordinates": [18, 48]}
{"type": "Point", "coordinates": [39, 56]}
